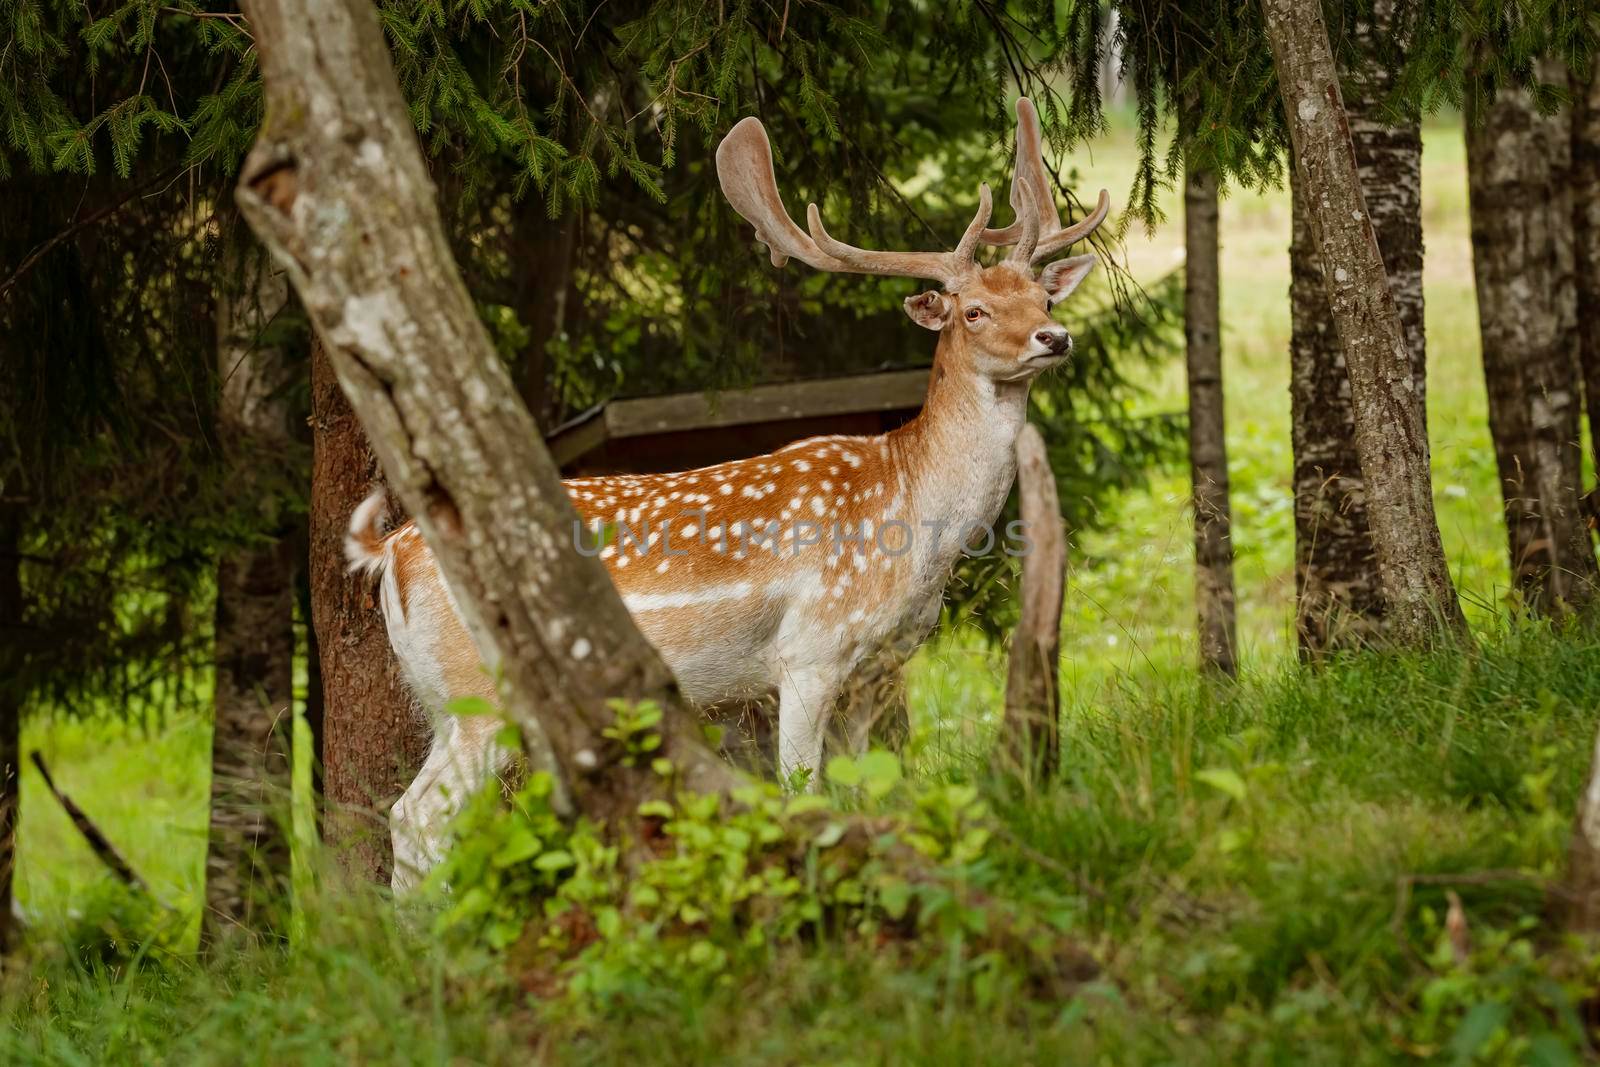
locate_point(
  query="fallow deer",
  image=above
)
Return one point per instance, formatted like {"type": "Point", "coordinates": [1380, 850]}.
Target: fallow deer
{"type": "Point", "coordinates": [784, 570]}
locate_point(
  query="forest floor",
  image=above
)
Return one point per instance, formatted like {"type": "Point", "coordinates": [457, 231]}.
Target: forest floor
{"type": "Point", "coordinates": [1262, 875]}
{"type": "Point", "coordinates": [1243, 857]}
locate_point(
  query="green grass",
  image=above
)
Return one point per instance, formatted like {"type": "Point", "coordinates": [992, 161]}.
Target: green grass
{"type": "Point", "coordinates": [1232, 858]}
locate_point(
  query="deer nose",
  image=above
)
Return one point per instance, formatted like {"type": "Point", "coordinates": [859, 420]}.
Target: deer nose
{"type": "Point", "coordinates": [1054, 338]}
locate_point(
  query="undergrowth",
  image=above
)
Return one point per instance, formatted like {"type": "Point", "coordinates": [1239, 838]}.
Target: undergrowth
{"type": "Point", "coordinates": [1339, 865]}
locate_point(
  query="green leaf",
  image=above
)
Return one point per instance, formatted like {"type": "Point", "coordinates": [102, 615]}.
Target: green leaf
{"type": "Point", "coordinates": [880, 772]}
{"type": "Point", "coordinates": [1223, 780]}
{"type": "Point", "coordinates": [1480, 1024]}
{"type": "Point", "coordinates": [555, 860]}
{"type": "Point", "coordinates": [830, 835]}
{"type": "Point", "coordinates": [842, 770]}
{"type": "Point", "coordinates": [471, 706]}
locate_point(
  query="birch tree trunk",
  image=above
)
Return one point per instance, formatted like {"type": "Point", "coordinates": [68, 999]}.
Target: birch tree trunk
{"type": "Point", "coordinates": [1208, 445]}
{"type": "Point", "coordinates": [1339, 597]}
{"type": "Point", "coordinates": [373, 736]}
{"type": "Point", "coordinates": [1390, 432]}
{"type": "Point", "coordinates": [1520, 193]}
{"type": "Point", "coordinates": [337, 189]}
{"type": "Point", "coordinates": [247, 853]}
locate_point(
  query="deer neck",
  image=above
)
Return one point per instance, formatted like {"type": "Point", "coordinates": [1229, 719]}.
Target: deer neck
{"type": "Point", "coordinates": [958, 456]}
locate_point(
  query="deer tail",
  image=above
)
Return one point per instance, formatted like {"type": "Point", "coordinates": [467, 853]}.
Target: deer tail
{"type": "Point", "coordinates": [364, 545]}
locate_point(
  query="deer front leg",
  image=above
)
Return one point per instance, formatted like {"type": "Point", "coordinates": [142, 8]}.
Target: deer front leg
{"type": "Point", "coordinates": [463, 757]}
{"type": "Point", "coordinates": [806, 696]}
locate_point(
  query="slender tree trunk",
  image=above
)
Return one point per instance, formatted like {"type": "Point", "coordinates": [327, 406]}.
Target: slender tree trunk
{"type": "Point", "coordinates": [11, 610]}
{"type": "Point", "coordinates": [373, 736]}
{"type": "Point", "coordinates": [1585, 115]}
{"type": "Point", "coordinates": [1519, 184]}
{"type": "Point", "coordinates": [1208, 444]}
{"type": "Point", "coordinates": [1031, 732]}
{"type": "Point", "coordinates": [1339, 601]}
{"type": "Point", "coordinates": [1390, 430]}
{"type": "Point", "coordinates": [337, 189]}
{"type": "Point", "coordinates": [247, 856]}
{"type": "Point", "coordinates": [1575, 899]}
{"type": "Point", "coordinates": [543, 250]}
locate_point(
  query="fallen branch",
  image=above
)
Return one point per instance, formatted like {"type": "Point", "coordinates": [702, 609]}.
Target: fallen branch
{"type": "Point", "coordinates": [104, 850]}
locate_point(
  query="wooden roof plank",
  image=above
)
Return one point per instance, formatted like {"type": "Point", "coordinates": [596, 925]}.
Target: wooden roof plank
{"type": "Point", "coordinates": [885, 391]}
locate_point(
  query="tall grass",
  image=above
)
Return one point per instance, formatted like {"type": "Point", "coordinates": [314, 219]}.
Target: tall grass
{"type": "Point", "coordinates": [1260, 869]}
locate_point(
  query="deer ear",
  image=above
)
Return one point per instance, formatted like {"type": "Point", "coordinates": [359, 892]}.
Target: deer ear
{"type": "Point", "coordinates": [930, 310]}
{"type": "Point", "coordinates": [1064, 275]}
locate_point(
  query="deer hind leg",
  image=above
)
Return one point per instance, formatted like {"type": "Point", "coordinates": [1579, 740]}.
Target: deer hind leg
{"type": "Point", "coordinates": [806, 696]}
{"type": "Point", "coordinates": [465, 754]}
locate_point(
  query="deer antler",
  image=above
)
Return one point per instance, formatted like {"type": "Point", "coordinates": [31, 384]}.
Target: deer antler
{"type": "Point", "coordinates": [1034, 204]}
{"type": "Point", "coordinates": [744, 168]}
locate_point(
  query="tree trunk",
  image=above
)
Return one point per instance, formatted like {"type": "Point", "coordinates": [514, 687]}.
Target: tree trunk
{"type": "Point", "coordinates": [1520, 193]}
{"type": "Point", "coordinates": [1390, 432]}
{"type": "Point", "coordinates": [373, 736]}
{"type": "Point", "coordinates": [542, 248]}
{"type": "Point", "coordinates": [247, 855]}
{"type": "Point", "coordinates": [11, 611]}
{"type": "Point", "coordinates": [1575, 900]}
{"type": "Point", "coordinates": [337, 189]}
{"type": "Point", "coordinates": [1586, 240]}
{"type": "Point", "coordinates": [1031, 732]}
{"type": "Point", "coordinates": [1208, 444]}
{"type": "Point", "coordinates": [1339, 597]}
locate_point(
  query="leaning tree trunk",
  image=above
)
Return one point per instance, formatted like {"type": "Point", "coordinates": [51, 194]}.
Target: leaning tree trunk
{"type": "Point", "coordinates": [1208, 445]}
{"type": "Point", "coordinates": [11, 609]}
{"type": "Point", "coordinates": [1522, 256]}
{"type": "Point", "coordinates": [336, 187]}
{"type": "Point", "coordinates": [1339, 597]}
{"type": "Point", "coordinates": [247, 855]}
{"type": "Point", "coordinates": [1390, 432]}
{"type": "Point", "coordinates": [373, 736]}
{"type": "Point", "coordinates": [1585, 184]}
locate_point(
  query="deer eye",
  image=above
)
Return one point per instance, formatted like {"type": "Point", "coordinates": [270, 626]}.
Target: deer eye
{"type": "Point", "coordinates": [974, 314]}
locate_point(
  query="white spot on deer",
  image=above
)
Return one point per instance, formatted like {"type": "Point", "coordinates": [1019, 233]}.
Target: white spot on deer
{"type": "Point", "coordinates": [850, 458]}
{"type": "Point", "coordinates": [801, 465]}
{"type": "Point", "coordinates": [727, 489]}
{"type": "Point", "coordinates": [661, 568]}
{"type": "Point", "coordinates": [667, 601]}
